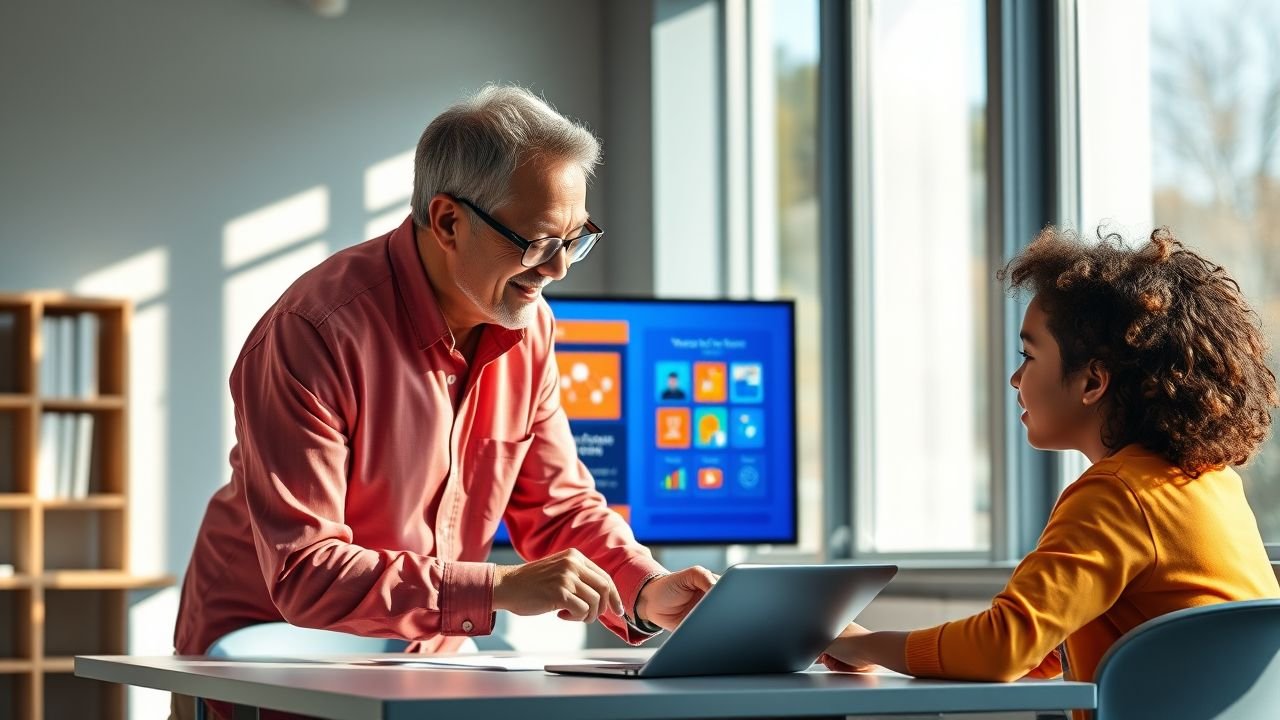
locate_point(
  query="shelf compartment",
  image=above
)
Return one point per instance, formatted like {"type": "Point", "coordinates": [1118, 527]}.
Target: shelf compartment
{"type": "Point", "coordinates": [16, 347]}
{"type": "Point", "coordinates": [109, 350]}
{"type": "Point", "coordinates": [83, 622]}
{"type": "Point", "coordinates": [80, 539]}
{"type": "Point", "coordinates": [16, 542]}
{"type": "Point", "coordinates": [68, 696]}
{"type": "Point", "coordinates": [58, 447]}
{"type": "Point", "coordinates": [16, 638]}
{"type": "Point", "coordinates": [17, 444]}
{"type": "Point", "coordinates": [16, 693]}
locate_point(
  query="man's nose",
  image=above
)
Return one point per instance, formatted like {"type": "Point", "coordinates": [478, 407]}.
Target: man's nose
{"type": "Point", "coordinates": [557, 267]}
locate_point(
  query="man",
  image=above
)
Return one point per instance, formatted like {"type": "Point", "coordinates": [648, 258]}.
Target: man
{"type": "Point", "coordinates": [402, 398]}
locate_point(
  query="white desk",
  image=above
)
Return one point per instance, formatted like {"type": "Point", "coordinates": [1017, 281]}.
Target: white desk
{"type": "Point", "coordinates": [353, 692]}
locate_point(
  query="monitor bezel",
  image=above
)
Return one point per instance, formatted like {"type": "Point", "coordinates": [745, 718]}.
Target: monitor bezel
{"type": "Point", "coordinates": [790, 305]}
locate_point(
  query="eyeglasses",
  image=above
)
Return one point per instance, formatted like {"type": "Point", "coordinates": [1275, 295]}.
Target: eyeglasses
{"type": "Point", "coordinates": [539, 251]}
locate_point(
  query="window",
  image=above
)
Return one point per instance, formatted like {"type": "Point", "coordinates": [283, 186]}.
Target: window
{"type": "Point", "coordinates": [923, 283]}
{"type": "Point", "coordinates": [793, 56]}
{"type": "Point", "coordinates": [1179, 121]}
{"type": "Point", "coordinates": [1215, 175]}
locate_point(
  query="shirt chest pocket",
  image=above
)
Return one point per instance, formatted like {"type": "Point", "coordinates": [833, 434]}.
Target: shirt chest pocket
{"type": "Point", "coordinates": [493, 469]}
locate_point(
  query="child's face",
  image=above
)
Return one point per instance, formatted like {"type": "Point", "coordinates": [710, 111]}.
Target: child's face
{"type": "Point", "coordinates": [1056, 416]}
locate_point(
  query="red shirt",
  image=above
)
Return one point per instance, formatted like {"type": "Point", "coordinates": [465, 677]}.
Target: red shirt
{"type": "Point", "coordinates": [372, 466]}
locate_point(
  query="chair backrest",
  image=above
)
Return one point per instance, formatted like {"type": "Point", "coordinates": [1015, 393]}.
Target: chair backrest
{"type": "Point", "coordinates": [278, 639]}
{"type": "Point", "coordinates": [1216, 661]}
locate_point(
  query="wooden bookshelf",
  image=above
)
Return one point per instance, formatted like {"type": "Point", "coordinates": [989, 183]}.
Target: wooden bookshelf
{"type": "Point", "coordinates": [68, 593]}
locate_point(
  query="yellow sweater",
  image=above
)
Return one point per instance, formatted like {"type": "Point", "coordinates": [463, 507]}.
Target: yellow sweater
{"type": "Point", "coordinates": [1132, 539]}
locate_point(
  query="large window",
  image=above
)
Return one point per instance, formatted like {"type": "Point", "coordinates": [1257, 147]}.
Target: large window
{"type": "Point", "coordinates": [923, 283]}
{"type": "Point", "coordinates": [1179, 121]}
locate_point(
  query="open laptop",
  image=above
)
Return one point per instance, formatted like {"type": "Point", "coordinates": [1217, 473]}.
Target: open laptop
{"type": "Point", "coordinates": [758, 619]}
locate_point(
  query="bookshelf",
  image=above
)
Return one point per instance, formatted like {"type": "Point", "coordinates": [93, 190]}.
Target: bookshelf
{"type": "Point", "coordinates": [64, 540]}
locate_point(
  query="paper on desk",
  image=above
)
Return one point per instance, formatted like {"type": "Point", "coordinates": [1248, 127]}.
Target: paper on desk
{"type": "Point", "coordinates": [485, 662]}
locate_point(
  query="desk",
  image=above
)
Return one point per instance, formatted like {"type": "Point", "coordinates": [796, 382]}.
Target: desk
{"type": "Point", "coordinates": [352, 692]}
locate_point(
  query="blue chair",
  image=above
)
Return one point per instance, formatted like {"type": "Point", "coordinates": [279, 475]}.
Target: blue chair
{"type": "Point", "coordinates": [1216, 661]}
{"type": "Point", "coordinates": [278, 640]}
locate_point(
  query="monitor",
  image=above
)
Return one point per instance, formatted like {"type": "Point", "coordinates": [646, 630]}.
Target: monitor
{"type": "Point", "coordinates": [684, 412]}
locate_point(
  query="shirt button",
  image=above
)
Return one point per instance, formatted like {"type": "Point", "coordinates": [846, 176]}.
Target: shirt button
{"type": "Point", "coordinates": [451, 379]}
{"type": "Point", "coordinates": [467, 626]}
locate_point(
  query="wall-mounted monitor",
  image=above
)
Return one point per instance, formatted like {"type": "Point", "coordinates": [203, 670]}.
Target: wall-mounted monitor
{"type": "Point", "coordinates": [684, 411]}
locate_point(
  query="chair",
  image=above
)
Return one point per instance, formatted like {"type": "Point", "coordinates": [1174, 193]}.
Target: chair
{"type": "Point", "coordinates": [278, 640]}
{"type": "Point", "coordinates": [1216, 661]}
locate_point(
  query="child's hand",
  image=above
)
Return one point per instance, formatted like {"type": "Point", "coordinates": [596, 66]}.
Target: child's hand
{"type": "Point", "coordinates": [847, 652]}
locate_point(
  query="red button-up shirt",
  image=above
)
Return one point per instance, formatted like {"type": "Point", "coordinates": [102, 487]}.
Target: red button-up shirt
{"type": "Point", "coordinates": [372, 466]}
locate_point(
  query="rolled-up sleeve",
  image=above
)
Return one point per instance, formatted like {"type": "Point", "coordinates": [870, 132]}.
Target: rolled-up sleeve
{"type": "Point", "coordinates": [293, 407]}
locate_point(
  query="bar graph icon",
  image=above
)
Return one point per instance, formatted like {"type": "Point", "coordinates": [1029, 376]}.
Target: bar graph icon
{"type": "Point", "coordinates": [674, 480]}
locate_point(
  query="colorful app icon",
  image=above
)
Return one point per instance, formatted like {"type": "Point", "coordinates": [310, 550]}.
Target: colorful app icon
{"type": "Point", "coordinates": [672, 382]}
{"type": "Point", "coordinates": [709, 382]}
{"type": "Point", "coordinates": [711, 427]}
{"type": "Point", "coordinates": [746, 382]}
{"type": "Point", "coordinates": [590, 385]}
{"type": "Point", "coordinates": [674, 480]}
{"type": "Point", "coordinates": [673, 428]}
{"type": "Point", "coordinates": [748, 427]}
{"type": "Point", "coordinates": [710, 478]}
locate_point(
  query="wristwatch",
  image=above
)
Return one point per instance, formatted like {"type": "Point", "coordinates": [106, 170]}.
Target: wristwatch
{"type": "Point", "coordinates": [635, 621]}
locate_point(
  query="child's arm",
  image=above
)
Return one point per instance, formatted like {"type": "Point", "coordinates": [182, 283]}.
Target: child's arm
{"type": "Point", "coordinates": [1096, 544]}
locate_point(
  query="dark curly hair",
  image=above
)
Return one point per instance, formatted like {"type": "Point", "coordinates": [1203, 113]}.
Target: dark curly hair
{"type": "Point", "coordinates": [1189, 378]}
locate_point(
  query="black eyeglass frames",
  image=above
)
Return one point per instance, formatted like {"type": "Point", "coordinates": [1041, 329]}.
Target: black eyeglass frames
{"type": "Point", "coordinates": [541, 250]}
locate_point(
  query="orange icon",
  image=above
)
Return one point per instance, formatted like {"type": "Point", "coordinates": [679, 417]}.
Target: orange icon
{"type": "Point", "coordinates": [590, 387]}
{"type": "Point", "coordinates": [710, 478]}
{"type": "Point", "coordinates": [709, 382]}
{"type": "Point", "coordinates": [673, 428]}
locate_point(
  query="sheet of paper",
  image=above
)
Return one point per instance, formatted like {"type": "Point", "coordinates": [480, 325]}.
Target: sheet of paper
{"type": "Point", "coordinates": [485, 662]}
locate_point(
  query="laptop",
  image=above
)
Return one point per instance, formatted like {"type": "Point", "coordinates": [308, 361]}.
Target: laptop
{"type": "Point", "coordinates": [757, 619]}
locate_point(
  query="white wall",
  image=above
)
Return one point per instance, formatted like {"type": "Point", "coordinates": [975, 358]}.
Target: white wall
{"type": "Point", "coordinates": [197, 156]}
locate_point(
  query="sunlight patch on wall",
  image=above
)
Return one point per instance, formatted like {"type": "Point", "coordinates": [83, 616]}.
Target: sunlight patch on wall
{"type": "Point", "coordinates": [386, 222]}
{"type": "Point", "coordinates": [144, 279]}
{"type": "Point", "coordinates": [388, 182]}
{"type": "Point", "coordinates": [140, 278]}
{"type": "Point", "coordinates": [275, 227]}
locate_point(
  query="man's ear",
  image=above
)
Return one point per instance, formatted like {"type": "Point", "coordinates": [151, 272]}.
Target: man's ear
{"type": "Point", "coordinates": [445, 217]}
{"type": "Point", "coordinates": [1097, 378]}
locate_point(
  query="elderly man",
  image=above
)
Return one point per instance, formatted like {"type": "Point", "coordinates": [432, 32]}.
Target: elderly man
{"type": "Point", "coordinates": [402, 398]}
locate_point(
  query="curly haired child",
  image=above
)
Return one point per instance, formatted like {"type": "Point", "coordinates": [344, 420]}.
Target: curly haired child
{"type": "Point", "coordinates": [1151, 363]}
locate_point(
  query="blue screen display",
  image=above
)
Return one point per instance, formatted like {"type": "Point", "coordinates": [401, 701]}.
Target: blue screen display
{"type": "Point", "coordinates": [684, 412]}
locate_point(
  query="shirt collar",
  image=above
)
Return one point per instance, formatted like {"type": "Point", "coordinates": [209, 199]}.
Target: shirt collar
{"type": "Point", "coordinates": [419, 298]}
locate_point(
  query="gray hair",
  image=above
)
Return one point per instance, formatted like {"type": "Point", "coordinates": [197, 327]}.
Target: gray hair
{"type": "Point", "coordinates": [471, 149]}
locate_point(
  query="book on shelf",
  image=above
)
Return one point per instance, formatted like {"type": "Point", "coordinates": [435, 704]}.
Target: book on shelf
{"type": "Point", "coordinates": [86, 385]}
{"type": "Point", "coordinates": [69, 362]}
{"type": "Point", "coordinates": [48, 356]}
{"type": "Point", "coordinates": [83, 456]}
{"type": "Point", "coordinates": [65, 359]}
{"type": "Point", "coordinates": [47, 461]}
{"type": "Point", "coordinates": [64, 467]}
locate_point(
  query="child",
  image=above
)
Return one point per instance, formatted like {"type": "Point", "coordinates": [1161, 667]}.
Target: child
{"type": "Point", "coordinates": [1151, 363]}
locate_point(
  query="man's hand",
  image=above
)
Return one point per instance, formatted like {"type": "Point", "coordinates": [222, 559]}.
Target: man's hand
{"type": "Point", "coordinates": [567, 583]}
{"type": "Point", "coordinates": [665, 600]}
